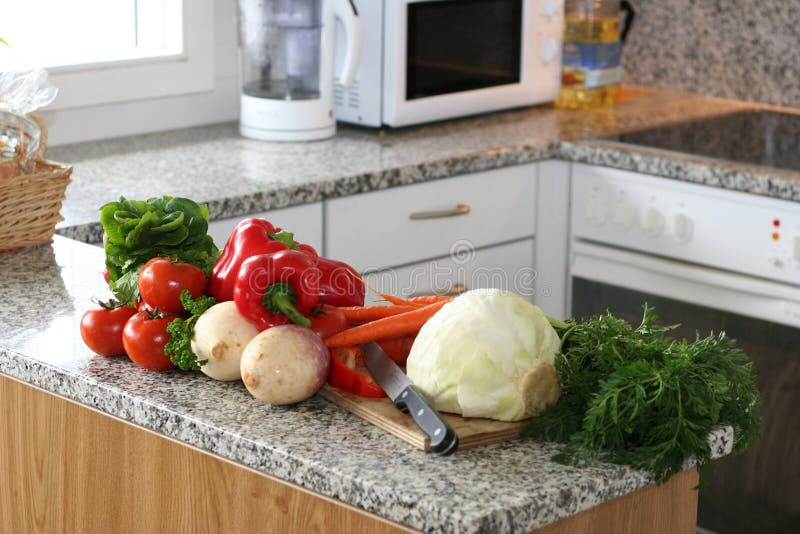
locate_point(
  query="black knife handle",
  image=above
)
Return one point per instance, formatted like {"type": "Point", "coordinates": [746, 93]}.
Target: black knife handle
{"type": "Point", "coordinates": [443, 439]}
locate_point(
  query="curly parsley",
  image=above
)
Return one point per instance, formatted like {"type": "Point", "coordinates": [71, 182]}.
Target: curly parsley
{"type": "Point", "coordinates": [179, 348]}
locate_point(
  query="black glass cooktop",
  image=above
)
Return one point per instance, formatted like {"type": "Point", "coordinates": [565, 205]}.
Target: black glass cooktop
{"type": "Point", "coordinates": [764, 138]}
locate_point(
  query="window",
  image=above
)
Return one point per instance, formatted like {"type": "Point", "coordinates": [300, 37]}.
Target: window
{"type": "Point", "coordinates": [107, 51]}
{"type": "Point", "coordinates": [88, 32]}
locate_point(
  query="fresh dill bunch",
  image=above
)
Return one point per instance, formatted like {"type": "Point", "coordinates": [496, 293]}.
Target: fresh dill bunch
{"type": "Point", "coordinates": [638, 397]}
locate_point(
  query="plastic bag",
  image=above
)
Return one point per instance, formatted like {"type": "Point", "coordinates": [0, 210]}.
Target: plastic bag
{"type": "Point", "coordinates": [24, 91]}
{"type": "Point", "coordinates": [21, 92]}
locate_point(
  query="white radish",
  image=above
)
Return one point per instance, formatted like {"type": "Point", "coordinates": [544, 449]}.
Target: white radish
{"type": "Point", "coordinates": [220, 337]}
{"type": "Point", "coordinates": [285, 364]}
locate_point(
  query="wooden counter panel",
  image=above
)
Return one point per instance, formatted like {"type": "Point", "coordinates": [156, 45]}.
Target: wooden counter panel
{"type": "Point", "coordinates": [669, 508]}
{"type": "Point", "coordinates": [66, 468]}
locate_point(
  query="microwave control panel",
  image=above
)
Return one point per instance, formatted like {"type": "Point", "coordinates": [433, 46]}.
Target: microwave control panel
{"type": "Point", "coordinates": [730, 230]}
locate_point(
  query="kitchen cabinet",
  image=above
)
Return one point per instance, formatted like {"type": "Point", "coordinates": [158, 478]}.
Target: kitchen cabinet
{"type": "Point", "coordinates": [507, 266]}
{"type": "Point", "coordinates": [305, 221]}
{"type": "Point", "coordinates": [102, 474]}
{"type": "Point", "coordinates": [399, 226]}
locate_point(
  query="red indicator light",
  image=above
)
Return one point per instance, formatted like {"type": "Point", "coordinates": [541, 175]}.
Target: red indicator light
{"type": "Point", "coordinates": [775, 236]}
{"type": "Point", "coordinates": [776, 223]}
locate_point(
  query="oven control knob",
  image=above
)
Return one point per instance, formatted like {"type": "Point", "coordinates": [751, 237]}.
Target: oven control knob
{"type": "Point", "coordinates": [776, 262]}
{"type": "Point", "coordinates": [682, 228]}
{"type": "Point", "coordinates": [653, 222]}
{"type": "Point", "coordinates": [596, 210]}
{"type": "Point", "coordinates": [549, 50]}
{"type": "Point", "coordinates": [624, 216]}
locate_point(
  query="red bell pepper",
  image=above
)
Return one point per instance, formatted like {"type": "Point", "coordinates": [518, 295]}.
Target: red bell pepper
{"type": "Point", "coordinates": [277, 288]}
{"type": "Point", "coordinates": [250, 237]}
{"type": "Point", "coordinates": [328, 320]}
{"type": "Point", "coordinates": [339, 284]}
{"type": "Point", "coordinates": [348, 373]}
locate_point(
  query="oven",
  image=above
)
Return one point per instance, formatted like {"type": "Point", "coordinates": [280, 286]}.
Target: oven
{"type": "Point", "coordinates": [710, 260]}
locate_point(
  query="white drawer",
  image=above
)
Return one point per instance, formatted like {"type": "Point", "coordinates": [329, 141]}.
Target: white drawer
{"type": "Point", "coordinates": [376, 230]}
{"type": "Point", "coordinates": [508, 266]}
{"type": "Point", "coordinates": [304, 221]}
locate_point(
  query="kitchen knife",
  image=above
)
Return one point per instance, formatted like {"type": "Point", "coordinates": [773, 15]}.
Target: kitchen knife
{"type": "Point", "coordinates": [443, 440]}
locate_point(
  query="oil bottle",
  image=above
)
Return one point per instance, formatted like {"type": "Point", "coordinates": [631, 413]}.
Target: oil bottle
{"type": "Point", "coordinates": [592, 56]}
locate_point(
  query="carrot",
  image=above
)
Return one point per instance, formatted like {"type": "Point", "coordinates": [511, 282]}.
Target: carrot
{"type": "Point", "coordinates": [398, 348]}
{"type": "Point", "coordinates": [421, 300]}
{"type": "Point", "coordinates": [430, 299]}
{"type": "Point", "coordinates": [403, 324]}
{"type": "Point", "coordinates": [394, 300]}
{"type": "Point", "coordinates": [365, 314]}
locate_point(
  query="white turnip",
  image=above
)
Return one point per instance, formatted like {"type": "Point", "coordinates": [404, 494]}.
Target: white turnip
{"type": "Point", "coordinates": [220, 336]}
{"type": "Point", "coordinates": [285, 364]}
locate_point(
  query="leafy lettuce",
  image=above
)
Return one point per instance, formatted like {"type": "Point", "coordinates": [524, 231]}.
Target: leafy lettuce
{"type": "Point", "coordinates": [136, 231]}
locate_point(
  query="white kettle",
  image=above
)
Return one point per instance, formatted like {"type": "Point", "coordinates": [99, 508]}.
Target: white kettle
{"type": "Point", "coordinates": [287, 53]}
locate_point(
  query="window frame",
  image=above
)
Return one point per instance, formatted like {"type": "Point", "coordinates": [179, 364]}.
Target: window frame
{"type": "Point", "coordinates": [191, 71]}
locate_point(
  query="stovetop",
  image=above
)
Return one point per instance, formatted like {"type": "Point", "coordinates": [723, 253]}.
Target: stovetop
{"type": "Point", "coordinates": [765, 138]}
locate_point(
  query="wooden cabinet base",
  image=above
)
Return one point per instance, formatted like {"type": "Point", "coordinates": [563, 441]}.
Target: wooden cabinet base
{"type": "Point", "coordinates": [670, 509]}
{"type": "Point", "coordinates": [66, 468]}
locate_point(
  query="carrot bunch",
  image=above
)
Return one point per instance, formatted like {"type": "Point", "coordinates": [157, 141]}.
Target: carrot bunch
{"type": "Point", "coordinates": [393, 327]}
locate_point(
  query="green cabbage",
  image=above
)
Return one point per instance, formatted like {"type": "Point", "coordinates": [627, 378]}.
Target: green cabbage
{"type": "Point", "coordinates": [488, 353]}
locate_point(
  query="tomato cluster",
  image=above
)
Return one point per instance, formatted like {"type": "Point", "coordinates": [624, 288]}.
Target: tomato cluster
{"type": "Point", "coordinates": [142, 333]}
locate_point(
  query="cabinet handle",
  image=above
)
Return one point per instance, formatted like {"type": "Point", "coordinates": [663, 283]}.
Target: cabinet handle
{"type": "Point", "coordinates": [452, 292]}
{"type": "Point", "coordinates": [460, 209]}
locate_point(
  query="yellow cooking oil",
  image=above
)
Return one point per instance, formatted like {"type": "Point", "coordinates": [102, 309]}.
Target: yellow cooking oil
{"type": "Point", "coordinates": [591, 62]}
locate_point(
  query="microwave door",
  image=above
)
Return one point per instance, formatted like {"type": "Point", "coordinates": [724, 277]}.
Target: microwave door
{"type": "Point", "coordinates": [451, 58]}
{"type": "Point", "coordinates": [756, 491]}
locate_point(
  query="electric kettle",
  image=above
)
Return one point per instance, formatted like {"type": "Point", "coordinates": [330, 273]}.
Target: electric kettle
{"type": "Point", "coordinates": [287, 57]}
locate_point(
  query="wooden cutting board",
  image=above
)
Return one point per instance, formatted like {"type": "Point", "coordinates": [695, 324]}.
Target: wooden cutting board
{"type": "Point", "coordinates": [472, 432]}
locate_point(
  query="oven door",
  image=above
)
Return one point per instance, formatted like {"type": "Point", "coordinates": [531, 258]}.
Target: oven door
{"type": "Point", "coordinates": [450, 58]}
{"type": "Point", "coordinates": [758, 490]}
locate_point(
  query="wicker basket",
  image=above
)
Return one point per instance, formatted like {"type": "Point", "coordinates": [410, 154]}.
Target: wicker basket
{"type": "Point", "coordinates": [30, 204]}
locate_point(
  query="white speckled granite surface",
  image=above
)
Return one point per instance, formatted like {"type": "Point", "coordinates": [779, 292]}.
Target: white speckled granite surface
{"type": "Point", "coordinates": [508, 487]}
{"type": "Point", "coordinates": [729, 48]}
{"type": "Point", "coordinates": [236, 176]}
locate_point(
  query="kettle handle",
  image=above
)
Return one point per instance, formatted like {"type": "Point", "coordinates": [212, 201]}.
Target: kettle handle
{"type": "Point", "coordinates": [630, 14]}
{"type": "Point", "coordinates": [345, 11]}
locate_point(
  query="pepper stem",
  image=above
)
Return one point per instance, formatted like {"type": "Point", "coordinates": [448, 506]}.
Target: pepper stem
{"type": "Point", "coordinates": [287, 238]}
{"type": "Point", "coordinates": [280, 298]}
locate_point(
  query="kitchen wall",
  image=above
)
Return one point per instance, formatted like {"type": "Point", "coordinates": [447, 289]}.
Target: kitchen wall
{"type": "Point", "coordinates": [743, 49]}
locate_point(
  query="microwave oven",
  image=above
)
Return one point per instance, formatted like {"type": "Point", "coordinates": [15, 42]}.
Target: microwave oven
{"type": "Point", "coordinates": [429, 60]}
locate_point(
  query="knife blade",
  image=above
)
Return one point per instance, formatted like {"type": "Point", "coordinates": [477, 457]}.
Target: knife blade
{"type": "Point", "coordinates": [443, 439]}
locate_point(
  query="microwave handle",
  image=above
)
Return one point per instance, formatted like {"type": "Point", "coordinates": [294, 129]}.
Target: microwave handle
{"type": "Point", "coordinates": [346, 12]}
{"type": "Point", "coordinates": [704, 286]}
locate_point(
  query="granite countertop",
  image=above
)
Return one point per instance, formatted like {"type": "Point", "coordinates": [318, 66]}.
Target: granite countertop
{"type": "Point", "coordinates": [506, 487]}
{"type": "Point", "coordinates": [236, 176]}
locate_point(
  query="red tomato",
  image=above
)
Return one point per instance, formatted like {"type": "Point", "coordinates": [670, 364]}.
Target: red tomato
{"type": "Point", "coordinates": [144, 341]}
{"type": "Point", "coordinates": [101, 329]}
{"type": "Point", "coordinates": [161, 281]}
{"type": "Point", "coordinates": [141, 305]}
{"type": "Point", "coordinates": [330, 321]}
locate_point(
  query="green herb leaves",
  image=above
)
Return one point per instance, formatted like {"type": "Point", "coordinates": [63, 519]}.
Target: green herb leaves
{"type": "Point", "coordinates": [635, 396]}
{"type": "Point", "coordinates": [179, 348]}
{"type": "Point", "coordinates": [137, 230]}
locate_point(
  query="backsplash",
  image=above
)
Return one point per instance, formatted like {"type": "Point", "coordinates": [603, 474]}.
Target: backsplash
{"type": "Point", "coordinates": [741, 49]}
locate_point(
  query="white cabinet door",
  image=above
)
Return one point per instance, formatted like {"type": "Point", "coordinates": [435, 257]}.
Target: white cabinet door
{"type": "Point", "coordinates": [398, 226]}
{"type": "Point", "coordinates": [304, 221]}
{"type": "Point", "coordinates": [508, 266]}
